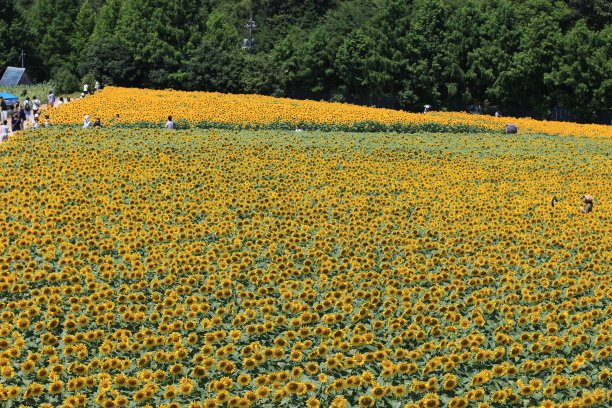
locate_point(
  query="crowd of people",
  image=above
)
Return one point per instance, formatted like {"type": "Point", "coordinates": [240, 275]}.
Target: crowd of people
{"type": "Point", "coordinates": [23, 115]}
{"type": "Point", "coordinates": [19, 116]}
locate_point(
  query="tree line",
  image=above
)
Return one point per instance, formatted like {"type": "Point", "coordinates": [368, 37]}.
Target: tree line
{"type": "Point", "coordinates": [520, 56]}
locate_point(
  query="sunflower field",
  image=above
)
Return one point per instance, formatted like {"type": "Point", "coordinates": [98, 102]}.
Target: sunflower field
{"type": "Point", "coordinates": [145, 108]}
{"type": "Point", "coordinates": [269, 268]}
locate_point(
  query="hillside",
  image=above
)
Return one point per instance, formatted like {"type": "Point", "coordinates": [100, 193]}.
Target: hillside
{"type": "Point", "coordinates": [149, 108]}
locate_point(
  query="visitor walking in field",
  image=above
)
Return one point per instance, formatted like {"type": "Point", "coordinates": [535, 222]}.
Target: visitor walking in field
{"type": "Point", "coordinates": [27, 107]}
{"type": "Point", "coordinates": [35, 105]}
{"type": "Point", "coordinates": [51, 99]}
{"type": "Point", "coordinates": [4, 131]}
{"type": "Point", "coordinates": [21, 115]}
{"type": "Point", "coordinates": [16, 122]}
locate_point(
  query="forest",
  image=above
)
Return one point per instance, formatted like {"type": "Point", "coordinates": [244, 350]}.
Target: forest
{"type": "Point", "coordinates": [522, 57]}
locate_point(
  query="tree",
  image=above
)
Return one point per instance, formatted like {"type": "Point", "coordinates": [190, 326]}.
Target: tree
{"type": "Point", "coordinates": [522, 83]}
{"type": "Point", "coordinates": [580, 76]}
{"type": "Point", "coordinates": [110, 60]}
{"type": "Point", "coordinates": [596, 13]}
{"type": "Point", "coordinates": [9, 22]}
{"type": "Point", "coordinates": [83, 28]}
{"type": "Point", "coordinates": [353, 64]}
{"type": "Point", "coordinates": [388, 28]}
{"type": "Point", "coordinates": [51, 22]}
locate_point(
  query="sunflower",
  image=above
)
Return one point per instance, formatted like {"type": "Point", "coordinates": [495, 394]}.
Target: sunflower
{"type": "Point", "coordinates": [366, 401]}
{"type": "Point", "coordinates": [56, 387]}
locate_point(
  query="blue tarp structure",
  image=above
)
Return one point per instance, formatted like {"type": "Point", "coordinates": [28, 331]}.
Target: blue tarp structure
{"type": "Point", "coordinates": [9, 98]}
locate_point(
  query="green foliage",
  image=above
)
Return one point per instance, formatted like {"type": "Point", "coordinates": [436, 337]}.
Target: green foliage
{"type": "Point", "coordinates": [8, 21]}
{"type": "Point", "coordinates": [65, 81]}
{"type": "Point", "coordinates": [588, 90]}
{"type": "Point", "coordinates": [524, 56]}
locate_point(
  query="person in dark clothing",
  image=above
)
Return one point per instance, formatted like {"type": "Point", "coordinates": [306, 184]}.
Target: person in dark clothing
{"type": "Point", "coordinates": [554, 201]}
{"type": "Point", "coordinates": [22, 117]}
{"type": "Point", "coordinates": [97, 123]}
{"type": "Point", "coordinates": [16, 123]}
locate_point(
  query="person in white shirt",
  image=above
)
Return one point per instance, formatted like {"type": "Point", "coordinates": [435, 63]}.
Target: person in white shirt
{"type": "Point", "coordinates": [86, 122]}
{"type": "Point", "coordinates": [85, 89]}
{"type": "Point", "coordinates": [35, 106]}
{"type": "Point", "coordinates": [170, 124]}
{"type": "Point", "coordinates": [4, 109]}
{"type": "Point", "coordinates": [96, 86]}
{"type": "Point", "coordinates": [51, 99]}
{"type": "Point", "coordinates": [4, 131]}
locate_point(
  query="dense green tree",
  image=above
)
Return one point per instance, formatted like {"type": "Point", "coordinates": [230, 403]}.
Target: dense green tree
{"type": "Point", "coordinates": [353, 64]}
{"type": "Point", "coordinates": [388, 28]}
{"type": "Point", "coordinates": [10, 16]}
{"type": "Point", "coordinates": [522, 82]}
{"type": "Point", "coordinates": [580, 78]}
{"type": "Point", "coordinates": [597, 13]}
{"type": "Point", "coordinates": [524, 56]}
{"type": "Point", "coordinates": [422, 81]}
{"type": "Point", "coordinates": [111, 62]}
{"type": "Point", "coordinates": [83, 28]}
{"type": "Point", "coordinates": [52, 24]}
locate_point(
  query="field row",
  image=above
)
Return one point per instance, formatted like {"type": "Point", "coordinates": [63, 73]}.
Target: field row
{"type": "Point", "coordinates": [128, 107]}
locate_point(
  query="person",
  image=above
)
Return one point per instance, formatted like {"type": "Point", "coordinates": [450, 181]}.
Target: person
{"type": "Point", "coordinates": [170, 123]}
{"type": "Point", "coordinates": [35, 125]}
{"type": "Point", "coordinates": [16, 122]}
{"type": "Point", "coordinates": [96, 86]}
{"type": "Point", "coordinates": [554, 201]}
{"type": "Point", "coordinates": [51, 99]}
{"type": "Point", "coordinates": [497, 114]}
{"type": "Point", "coordinates": [27, 107]}
{"type": "Point", "coordinates": [97, 123]}
{"type": "Point", "coordinates": [86, 122]}
{"type": "Point", "coordinates": [86, 89]}
{"type": "Point", "coordinates": [22, 116]}
{"type": "Point", "coordinates": [35, 105]}
{"type": "Point", "coordinates": [4, 131]}
{"type": "Point", "coordinates": [511, 128]}
{"type": "Point", "coordinates": [4, 109]}
{"type": "Point", "coordinates": [588, 201]}
{"type": "Point", "coordinates": [47, 122]}
{"type": "Point", "coordinates": [61, 101]}
{"type": "Point", "coordinates": [297, 128]}
{"type": "Point", "coordinates": [427, 108]}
